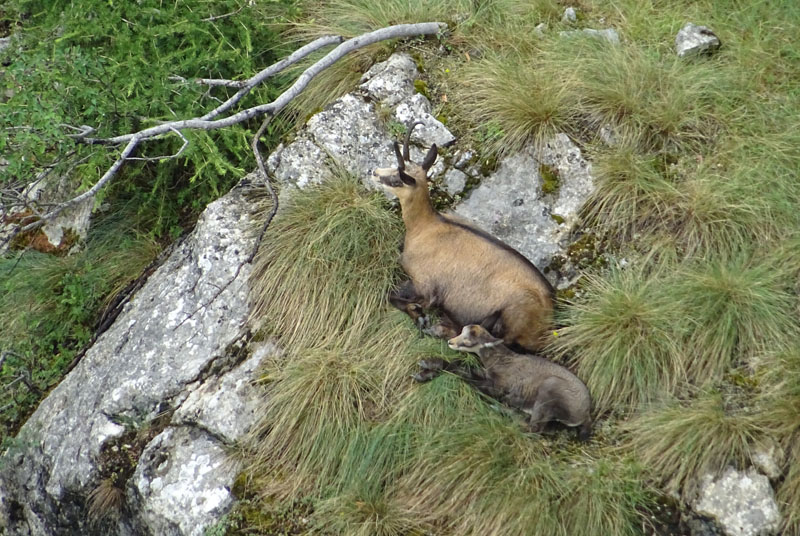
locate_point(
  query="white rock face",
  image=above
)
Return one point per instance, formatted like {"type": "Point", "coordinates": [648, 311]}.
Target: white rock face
{"type": "Point", "coordinates": [510, 203]}
{"type": "Point", "coordinates": [349, 132]}
{"type": "Point", "coordinates": [182, 483]}
{"type": "Point", "coordinates": [741, 503]}
{"type": "Point", "coordinates": [693, 40]}
{"type": "Point", "coordinates": [151, 360]}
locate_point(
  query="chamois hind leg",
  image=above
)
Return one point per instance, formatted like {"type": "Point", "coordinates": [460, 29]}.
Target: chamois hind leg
{"type": "Point", "coordinates": [546, 406]}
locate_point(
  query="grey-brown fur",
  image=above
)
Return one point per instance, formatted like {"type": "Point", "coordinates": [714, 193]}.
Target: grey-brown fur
{"type": "Point", "coordinates": [544, 390]}
{"type": "Point", "coordinates": [468, 275]}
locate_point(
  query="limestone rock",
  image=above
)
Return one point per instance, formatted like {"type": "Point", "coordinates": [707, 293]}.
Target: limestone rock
{"type": "Point", "coordinates": [694, 40]}
{"type": "Point", "coordinates": [455, 181]}
{"type": "Point", "coordinates": [570, 15]}
{"type": "Point", "coordinates": [741, 503]}
{"type": "Point", "coordinates": [225, 406]}
{"type": "Point", "coordinates": [350, 133]}
{"type": "Point", "coordinates": [147, 363]}
{"type": "Point", "coordinates": [417, 108]}
{"type": "Point", "coordinates": [391, 81]}
{"type": "Point", "coordinates": [511, 204]}
{"type": "Point", "coordinates": [181, 484]}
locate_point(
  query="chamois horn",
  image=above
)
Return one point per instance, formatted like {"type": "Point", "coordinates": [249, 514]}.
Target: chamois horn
{"type": "Point", "coordinates": [409, 130]}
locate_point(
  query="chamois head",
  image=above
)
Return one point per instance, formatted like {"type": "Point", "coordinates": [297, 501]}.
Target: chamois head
{"type": "Point", "coordinates": [472, 338]}
{"type": "Point", "coordinates": [404, 180]}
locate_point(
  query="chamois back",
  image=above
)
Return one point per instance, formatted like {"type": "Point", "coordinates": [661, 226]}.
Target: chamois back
{"type": "Point", "coordinates": [467, 273]}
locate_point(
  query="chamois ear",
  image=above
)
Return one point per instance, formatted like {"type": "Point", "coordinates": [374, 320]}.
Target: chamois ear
{"type": "Point", "coordinates": [401, 163]}
{"type": "Point", "coordinates": [430, 158]}
{"type": "Point", "coordinates": [406, 178]}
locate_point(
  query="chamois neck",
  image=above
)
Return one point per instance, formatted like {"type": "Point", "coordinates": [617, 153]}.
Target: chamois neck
{"type": "Point", "coordinates": [492, 355]}
{"type": "Point", "coordinates": [417, 210]}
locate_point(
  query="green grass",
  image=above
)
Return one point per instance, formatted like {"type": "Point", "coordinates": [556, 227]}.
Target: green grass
{"type": "Point", "coordinates": [623, 338]}
{"type": "Point", "coordinates": [739, 307]}
{"type": "Point", "coordinates": [687, 351]}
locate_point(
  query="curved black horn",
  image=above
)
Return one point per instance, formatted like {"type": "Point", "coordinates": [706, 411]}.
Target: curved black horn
{"type": "Point", "coordinates": [401, 164]}
{"type": "Point", "coordinates": [409, 130]}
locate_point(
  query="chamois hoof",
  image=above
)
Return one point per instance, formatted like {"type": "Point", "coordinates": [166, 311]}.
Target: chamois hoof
{"type": "Point", "coordinates": [425, 375]}
{"type": "Point", "coordinates": [433, 363]}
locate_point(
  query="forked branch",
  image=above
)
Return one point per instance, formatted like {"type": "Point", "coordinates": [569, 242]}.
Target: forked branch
{"type": "Point", "coordinates": [211, 120]}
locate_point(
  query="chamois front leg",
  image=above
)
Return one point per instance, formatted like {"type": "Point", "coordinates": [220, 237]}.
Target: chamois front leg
{"type": "Point", "coordinates": [406, 298]}
{"type": "Point", "coordinates": [444, 329]}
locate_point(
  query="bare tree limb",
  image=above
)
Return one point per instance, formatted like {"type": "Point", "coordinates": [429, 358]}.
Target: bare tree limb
{"type": "Point", "coordinates": [208, 121]}
{"type": "Point", "coordinates": [168, 156]}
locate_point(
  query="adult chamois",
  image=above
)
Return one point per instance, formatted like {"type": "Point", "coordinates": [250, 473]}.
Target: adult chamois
{"type": "Point", "coordinates": [544, 390]}
{"type": "Point", "coordinates": [470, 276]}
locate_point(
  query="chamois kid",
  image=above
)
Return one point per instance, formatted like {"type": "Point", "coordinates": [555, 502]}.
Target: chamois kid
{"type": "Point", "coordinates": [544, 390]}
{"type": "Point", "coordinates": [470, 276]}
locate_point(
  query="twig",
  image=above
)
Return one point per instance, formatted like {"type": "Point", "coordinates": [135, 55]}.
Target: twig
{"type": "Point", "coordinates": [165, 157]}
{"type": "Point", "coordinates": [91, 191]}
{"type": "Point", "coordinates": [217, 17]}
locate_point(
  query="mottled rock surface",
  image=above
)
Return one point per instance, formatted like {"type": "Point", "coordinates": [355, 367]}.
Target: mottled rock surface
{"type": "Point", "coordinates": [152, 360]}
{"type": "Point", "coordinates": [693, 40]}
{"type": "Point", "coordinates": [512, 204]}
{"type": "Point", "coordinates": [741, 503]}
{"type": "Point", "coordinates": [351, 133]}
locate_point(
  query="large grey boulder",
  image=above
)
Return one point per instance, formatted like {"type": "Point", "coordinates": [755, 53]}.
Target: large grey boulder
{"type": "Point", "coordinates": [352, 132]}
{"type": "Point", "coordinates": [172, 345]}
{"type": "Point", "coordinates": [693, 40]}
{"type": "Point", "coordinates": [514, 204]}
{"type": "Point", "coordinates": [741, 503]}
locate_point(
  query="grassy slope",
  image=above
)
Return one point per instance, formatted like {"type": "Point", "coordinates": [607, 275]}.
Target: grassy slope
{"type": "Point", "coordinates": [689, 351]}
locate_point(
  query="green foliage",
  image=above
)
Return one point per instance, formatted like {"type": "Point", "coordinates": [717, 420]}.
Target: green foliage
{"type": "Point", "coordinates": [50, 306]}
{"type": "Point", "coordinates": [109, 65]}
{"type": "Point", "coordinates": [621, 337]}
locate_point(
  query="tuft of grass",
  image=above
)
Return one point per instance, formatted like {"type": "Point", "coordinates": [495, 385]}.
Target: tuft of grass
{"type": "Point", "coordinates": [676, 442]}
{"type": "Point", "coordinates": [325, 269]}
{"type": "Point", "coordinates": [631, 194]}
{"type": "Point", "coordinates": [604, 495]}
{"type": "Point", "coordinates": [370, 514]}
{"type": "Point", "coordinates": [739, 306]}
{"type": "Point", "coordinates": [665, 100]}
{"type": "Point", "coordinates": [105, 502]}
{"type": "Point", "coordinates": [778, 406]}
{"type": "Point", "coordinates": [526, 100]}
{"type": "Point", "coordinates": [789, 496]}
{"type": "Point", "coordinates": [623, 338]}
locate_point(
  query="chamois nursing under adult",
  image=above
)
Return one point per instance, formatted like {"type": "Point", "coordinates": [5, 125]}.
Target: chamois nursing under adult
{"type": "Point", "coordinates": [470, 276]}
{"type": "Point", "coordinates": [544, 390]}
